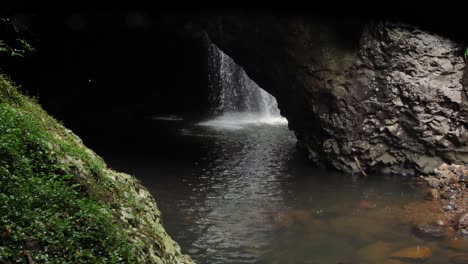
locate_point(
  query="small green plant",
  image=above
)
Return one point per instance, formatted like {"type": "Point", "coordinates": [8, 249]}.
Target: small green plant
{"type": "Point", "coordinates": [465, 54]}
{"type": "Point", "coordinates": [20, 48]}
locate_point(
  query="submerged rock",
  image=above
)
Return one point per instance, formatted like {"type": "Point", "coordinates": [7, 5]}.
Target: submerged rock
{"type": "Point", "coordinates": [375, 252]}
{"type": "Point", "coordinates": [302, 216]}
{"type": "Point", "coordinates": [457, 244]}
{"type": "Point", "coordinates": [416, 253]}
{"type": "Point", "coordinates": [429, 231]}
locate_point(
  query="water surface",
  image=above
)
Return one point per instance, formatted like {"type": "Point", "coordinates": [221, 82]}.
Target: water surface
{"type": "Point", "coordinates": [240, 192]}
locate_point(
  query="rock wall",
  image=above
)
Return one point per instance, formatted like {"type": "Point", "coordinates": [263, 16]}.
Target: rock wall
{"type": "Point", "coordinates": [383, 96]}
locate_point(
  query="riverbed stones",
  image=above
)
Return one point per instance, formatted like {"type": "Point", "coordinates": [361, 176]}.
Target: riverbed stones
{"type": "Point", "coordinates": [416, 253]}
{"type": "Point", "coordinates": [448, 175]}
{"type": "Point", "coordinates": [463, 232]}
{"type": "Point", "coordinates": [449, 208]}
{"type": "Point", "coordinates": [460, 221]}
{"type": "Point", "coordinates": [449, 194]}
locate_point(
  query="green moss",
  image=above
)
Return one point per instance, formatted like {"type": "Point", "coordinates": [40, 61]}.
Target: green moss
{"type": "Point", "coordinates": [50, 191]}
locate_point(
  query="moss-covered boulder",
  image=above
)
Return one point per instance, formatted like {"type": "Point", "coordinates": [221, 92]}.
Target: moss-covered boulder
{"type": "Point", "coordinates": [59, 203]}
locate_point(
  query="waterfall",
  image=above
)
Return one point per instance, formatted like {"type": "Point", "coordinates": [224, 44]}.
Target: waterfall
{"type": "Point", "coordinates": [235, 98]}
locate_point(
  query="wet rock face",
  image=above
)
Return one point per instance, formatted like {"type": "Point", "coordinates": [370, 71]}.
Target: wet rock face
{"type": "Point", "coordinates": [385, 97]}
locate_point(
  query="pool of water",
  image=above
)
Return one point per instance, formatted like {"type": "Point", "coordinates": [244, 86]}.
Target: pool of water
{"type": "Point", "coordinates": [242, 193]}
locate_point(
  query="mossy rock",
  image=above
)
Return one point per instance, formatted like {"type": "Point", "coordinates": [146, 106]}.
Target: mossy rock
{"type": "Point", "coordinates": [59, 203]}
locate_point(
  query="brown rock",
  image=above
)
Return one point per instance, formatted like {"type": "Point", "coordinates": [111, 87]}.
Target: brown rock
{"type": "Point", "coordinates": [460, 259]}
{"type": "Point", "coordinates": [432, 194]}
{"type": "Point", "coordinates": [416, 253]}
{"type": "Point", "coordinates": [453, 180]}
{"type": "Point", "coordinates": [460, 220]}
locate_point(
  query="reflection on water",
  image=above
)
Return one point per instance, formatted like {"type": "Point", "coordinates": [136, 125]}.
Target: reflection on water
{"type": "Point", "coordinates": [243, 194]}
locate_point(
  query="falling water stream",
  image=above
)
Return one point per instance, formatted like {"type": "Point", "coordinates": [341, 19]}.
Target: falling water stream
{"type": "Point", "coordinates": [236, 99]}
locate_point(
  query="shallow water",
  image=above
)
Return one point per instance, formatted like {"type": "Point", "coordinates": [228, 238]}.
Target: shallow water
{"type": "Point", "coordinates": [242, 193]}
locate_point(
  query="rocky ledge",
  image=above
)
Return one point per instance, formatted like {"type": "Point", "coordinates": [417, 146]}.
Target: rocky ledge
{"type": "Point", "coordinates": [361, 96]}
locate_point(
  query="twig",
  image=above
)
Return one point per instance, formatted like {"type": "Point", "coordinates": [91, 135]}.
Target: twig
{"type": "Point", "coordinates": [28, 256]}
{"type": "Point", "coordinates": [359, 166]}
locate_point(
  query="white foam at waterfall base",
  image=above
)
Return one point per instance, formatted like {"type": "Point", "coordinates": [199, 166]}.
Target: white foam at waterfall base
{"type": "Point", "coordinates": [240, 100]}
{"type": "Point", "coordinates": [241, 120]}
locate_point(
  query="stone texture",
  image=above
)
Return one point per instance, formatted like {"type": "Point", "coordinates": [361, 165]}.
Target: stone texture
{"type": "Point", "coordinates": [388, 96]}
{"type": "Point", "coordinates": [460, 221]}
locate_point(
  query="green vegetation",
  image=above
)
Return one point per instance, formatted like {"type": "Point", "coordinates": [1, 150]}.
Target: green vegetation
{"type": "Point", "coordinates": [19, 49]}
{"type": "Point", "coordinates": [465, 54]}
{"type": "Point", "coordinates": [50, 212]}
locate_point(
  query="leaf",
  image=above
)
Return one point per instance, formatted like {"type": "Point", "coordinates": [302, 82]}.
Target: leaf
{"type": "Point", "coordinates": [16, 54]}
{"type": "Point", "coordinates": [74, 186]}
